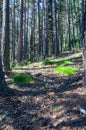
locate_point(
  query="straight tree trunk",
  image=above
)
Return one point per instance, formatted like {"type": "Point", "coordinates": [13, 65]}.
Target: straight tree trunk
{"type": "Point", "coordinates": [73, 30]}
{"type": "Point", "coordinates": [50, 28]}
{"type": "Point", "coordinates": [5, 45]}
{"type": "Point", "coordinates": [32, 38]}
{"type": "Point", "coordinates": [20, 38]}
{"type": "Point", "coordinates": [39, 31]}
{"type": "Point", "coordinates": [84, 39]}
{"type": "Point", "coordinates": [13, 33]}
{"type": "Point", "coordinates": [54, 38]}
{"type": "Point", "coordinates": [68, 24]}
{"type": "Point", "coordinates": [25, 33]}
{"type": "Point", "coordinates": [3, 84]}
{"type": "Point", "coordinates": [0, 21]}
{"type": "Point", "coordinates": [82, 23]}
{"type": "Point", "coordinates": [43, 32]}
{"type": "Point", "coordinates": [46, 29]}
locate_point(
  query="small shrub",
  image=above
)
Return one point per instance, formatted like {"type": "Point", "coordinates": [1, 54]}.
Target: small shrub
{"type": "Point", "coordinates": [22, 78]}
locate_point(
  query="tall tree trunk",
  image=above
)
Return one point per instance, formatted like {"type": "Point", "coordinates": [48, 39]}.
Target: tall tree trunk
{"type": "Point", "coordinates": [68, 24]}
{"type": "Point", "coordinates": [82, 23]}
{"type": "Point", "coordinates": [84, 39]}
{"type": "Point", "coordinates": [46, 29]}
{"type": "Point", "coordinates": [43, 32]}
{"type": "Point", "coordinates": [2, 79]}
{"type": "Point", "coordinates": [32, 38]}
{"type": "Point", "coordinates": [25, 33]}
{"type": "Point", "coordinates": [50, 28]}
{"type": "Point", "coordinates": [73, 28]}
{"type": "Point", "coordinates": [20, 42]}
{"type": "Point", "coordinates": [0, 21]}
{"type": "Point", "coordinates": [54, 38]}
{"type": "Point", "coordinates": [5, 45]}
{"type": "Point", "coordinates": [39, 31]}
{"type": "Point", "coordinates": [13, 33]}
{"type": "Point", "coordinates": [3, 84]}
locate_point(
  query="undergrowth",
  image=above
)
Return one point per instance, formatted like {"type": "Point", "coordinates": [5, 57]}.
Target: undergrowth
{"type": "Point", "coordinates": [22, 78]}
{"type": "Point", "coordinates": [49, 62]}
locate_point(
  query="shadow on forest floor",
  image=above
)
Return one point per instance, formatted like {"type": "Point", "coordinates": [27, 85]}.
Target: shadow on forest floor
{"type": "Point", "coordinates": [48, 103]}
{"type": "Point", "coordinates": [34, 103]}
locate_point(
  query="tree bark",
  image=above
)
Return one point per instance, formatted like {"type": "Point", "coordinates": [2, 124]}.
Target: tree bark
{"type": "Point", "coordinates": [32, 37]}
{"type": "Point", "coordinates": [83, 35]}
{"type": "Point", "coordinates": [5, 42]}
{"type": "Point", "coordinates": [20, 41]}
{"type": "Point", "coordinates": [25, 33]}
{"type": "Point", "coordinates": [68, 24]}
{"type": "Point", "coordinates": [39, 31]}
{"type": "Point", "coordinates": [46, 29]}
{"type": "Point", "coordinates": [13, 33]}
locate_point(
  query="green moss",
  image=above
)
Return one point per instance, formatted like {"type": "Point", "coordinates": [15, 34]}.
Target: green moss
{"type": "Point", "coordinates": [49, 62]}
{"type": "Point", "coordinates": [22, 78]}
{"type": "Point", "coordinates": [61, 63]}
{"type": "Point", "coordinates": [65, 63]}
{"type": "Point", "coordinates": [66, 70]}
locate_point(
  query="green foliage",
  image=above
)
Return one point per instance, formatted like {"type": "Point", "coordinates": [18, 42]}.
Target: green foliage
{"type": "Point", "coordinates": [65, 63]}
{"type": "Point", "coordinates": [66, 70]}
{"type": "Point", "coordinates": [49, 62]}
{"type": "Point", "coordinates": [61, 63]}
{"type": "Point", "coordinates": [22, 78]}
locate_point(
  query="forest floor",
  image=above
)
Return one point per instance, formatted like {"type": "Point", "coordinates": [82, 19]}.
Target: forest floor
{"type": "Point", "coordinates": [48, 103]}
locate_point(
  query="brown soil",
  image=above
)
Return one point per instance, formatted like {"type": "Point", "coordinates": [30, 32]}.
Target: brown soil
{"type": "Point", "coordinates": [48, 103]}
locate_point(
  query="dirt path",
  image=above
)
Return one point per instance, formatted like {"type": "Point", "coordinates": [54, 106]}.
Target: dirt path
{"type": "Point", "coordinates": [48, 103]}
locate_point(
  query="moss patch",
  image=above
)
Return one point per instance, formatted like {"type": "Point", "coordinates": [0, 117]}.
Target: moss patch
{"type": "Point", "coordinates": [65, 63]}
{"type": "Point", "coordinates": [61, 63]}
{"type": "Point", "coordinates": [49, 62]}
{"type": "Point", "coordinates": [22, 78]}
{"type": "Point", "coordinates": [66, 70]}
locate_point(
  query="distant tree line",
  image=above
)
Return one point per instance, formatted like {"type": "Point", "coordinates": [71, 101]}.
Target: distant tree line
{"type": "Point", "coordinates": [36, 29]}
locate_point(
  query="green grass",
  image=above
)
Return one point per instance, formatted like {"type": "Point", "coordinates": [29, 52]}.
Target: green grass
{"type": "Point", "coordinates": [22, 78]}
{"type": "Point", "coordinates": [66, 70]}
